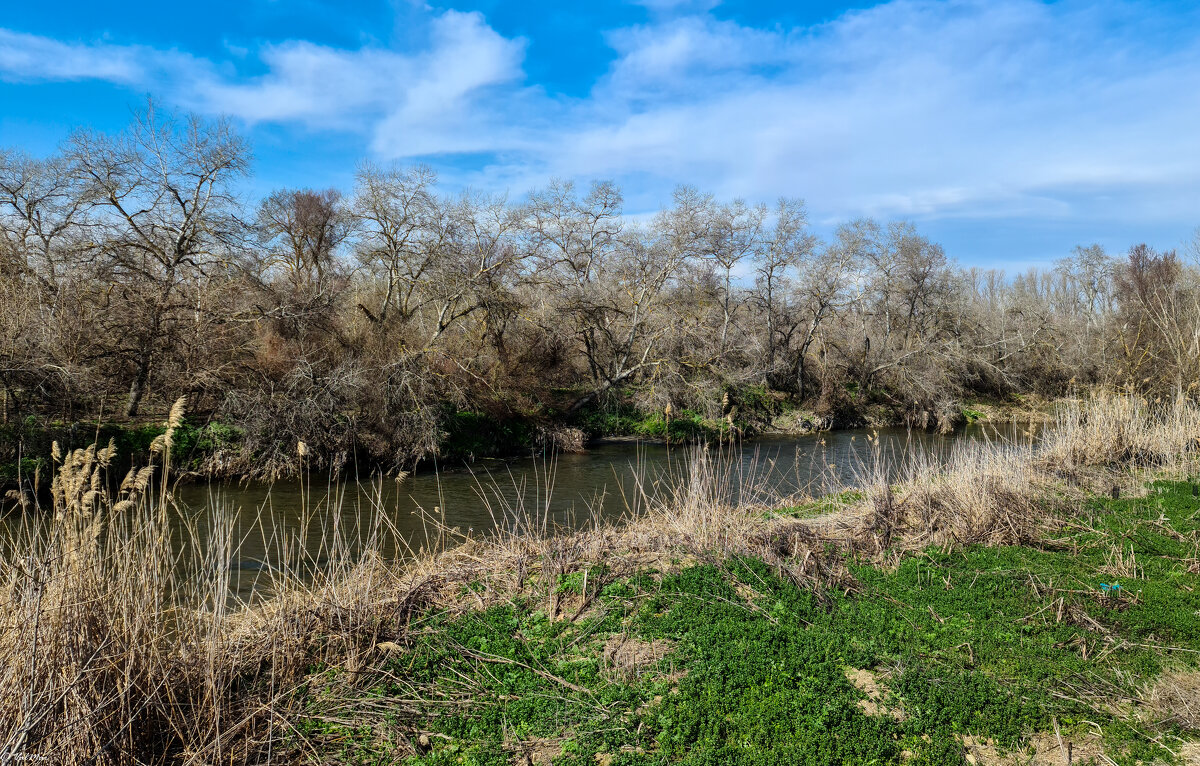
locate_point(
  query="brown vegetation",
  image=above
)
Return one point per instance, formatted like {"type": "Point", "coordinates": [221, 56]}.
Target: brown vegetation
{"type": "Point", "coordinates": [361, 323]}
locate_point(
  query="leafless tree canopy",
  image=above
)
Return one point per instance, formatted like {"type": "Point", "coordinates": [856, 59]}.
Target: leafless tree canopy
{"type": "Point", "coordinates": [132, 273]}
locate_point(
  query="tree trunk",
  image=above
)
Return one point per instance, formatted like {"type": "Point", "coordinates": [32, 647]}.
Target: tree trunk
{"type": "Point", "coordinates": [137, 389]}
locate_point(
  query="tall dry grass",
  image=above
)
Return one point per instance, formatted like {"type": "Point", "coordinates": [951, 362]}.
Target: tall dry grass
{"type": "Point", "coordinates": [121, 644]}
{"type": "Point", "coordinates": [1123, 430]}
{"type": "Point", "coordinates": [982, 493]}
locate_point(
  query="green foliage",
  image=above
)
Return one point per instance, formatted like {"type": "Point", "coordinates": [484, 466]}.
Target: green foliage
{"type": "Point", "coordinates": [24, 468]}
{"type": "Point", "coordinates": [683, 427]}
{"type": "Point", "coordinates": [133, 440]}
{"type": "Point", "coordinates": [822, 506]}
{"type": "Point", "coordinates": [193, 443]}
{"type": "Point", "coordinates": [756, 692]}
{"type": "Point", "coordinates": [471, 435]}
{"type": "Point", "coordinates": [968, 642]}
{"type": "Point", "coordinates": [32, 438]}
{"type": "Point", "coordinates": [617, 420]}
{"type": "Point", "coordinates": [24, 448]}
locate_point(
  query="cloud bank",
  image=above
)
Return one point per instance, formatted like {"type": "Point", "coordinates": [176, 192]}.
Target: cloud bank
{"type": "Point", "coordinates": [967, 109]}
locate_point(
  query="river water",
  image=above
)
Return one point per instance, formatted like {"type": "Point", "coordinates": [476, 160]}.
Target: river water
{"type": "Point", "coordinates": [609, 481]}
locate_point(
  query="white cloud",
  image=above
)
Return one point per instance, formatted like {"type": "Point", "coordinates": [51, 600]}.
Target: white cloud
{"type": "Point", "coordinates": [408, 102]}
{"type": "Point", "coordinates": [328, 87]}
{"type": "Point", "coordinates": [30, 58]}
{"type": "Point", "coordinates": [958, 109]}
{"type": "Point", "coordinates": [966, 109]}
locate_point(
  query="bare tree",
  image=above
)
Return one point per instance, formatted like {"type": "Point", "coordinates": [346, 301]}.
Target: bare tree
{"type": "Point", "coordinates": [1160, 312]}
{"type": "Point", "coordinates": [735, 232]}
{"type": "Point", "coordinates": [302, 230]}
{"type": "Point", "coordinates": [826, 275]}
{"type": "Point", "coordinates": [607, 279]}
{"type": "Point", "coordinates": [479, 264]}
{"type": "Point", "coordinates": [779, 255]}
{"type": "Point", "coordinates": [901, 302]}
{"type": "Point", "coordinates": [403, 229]}
{"type": "Point", "coordinates": [163, 191]}
{"type": "Point", "coordinates": [42, 216]}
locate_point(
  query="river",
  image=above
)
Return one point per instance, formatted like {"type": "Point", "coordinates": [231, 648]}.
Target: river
{"type": "Point", "coordinates": [609, 481]}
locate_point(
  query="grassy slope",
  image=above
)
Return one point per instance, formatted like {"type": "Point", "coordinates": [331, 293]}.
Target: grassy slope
{"type": "Point", "coordinates": [731, 664]}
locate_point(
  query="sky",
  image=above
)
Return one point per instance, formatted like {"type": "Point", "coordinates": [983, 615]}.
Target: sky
{"type": "Point", "coordinates": [1008, 130]}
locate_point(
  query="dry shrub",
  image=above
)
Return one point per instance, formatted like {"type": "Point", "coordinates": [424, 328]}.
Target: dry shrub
{"type": "Point", "coordinates": [984, 493]}
{"type": "Point", "coordinates": [1115, 429]}
{"type": "Point", "coordinates": [121, 644]}
{"type": "Point", "coordinates": [1175, 698]}
{"type": "Point", "coordinates": [563, 439]}
{"type": "Point", "coordinates": [999, 493]}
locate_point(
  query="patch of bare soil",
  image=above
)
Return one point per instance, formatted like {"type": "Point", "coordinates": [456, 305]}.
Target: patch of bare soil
{"type": "Point", "coordinates": [1175, 698]}
{"type": "Point", "coordinates": [868, 683]}
{"type": "Point", "coordinates": [538, 752]}
{"type": "Point", "coordinates": [1041, 749]}
{"type": "Point", "coordinates": [626, 657]}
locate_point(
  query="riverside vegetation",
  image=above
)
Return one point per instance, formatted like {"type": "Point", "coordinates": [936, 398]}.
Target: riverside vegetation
{"type": "Point", "coordinates": [1020, 603]}
{"type": "Point", "coordinates": [396, 324]}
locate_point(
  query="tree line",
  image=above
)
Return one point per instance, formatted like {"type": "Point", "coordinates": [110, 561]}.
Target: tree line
{"type": "Point", "coordinates": [132, 272]}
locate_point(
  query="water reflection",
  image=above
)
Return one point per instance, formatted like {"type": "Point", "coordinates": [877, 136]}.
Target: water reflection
{"type": "Point", "coordinates": [563, 491]}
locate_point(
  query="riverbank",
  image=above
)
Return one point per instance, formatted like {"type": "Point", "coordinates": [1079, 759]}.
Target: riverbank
{"type": "Point", "coordinates": [207, 449]}
{"type": "Point", "coordinates": [1018, 654]}
{"type": "Point", "coordinates": [1001, 605]}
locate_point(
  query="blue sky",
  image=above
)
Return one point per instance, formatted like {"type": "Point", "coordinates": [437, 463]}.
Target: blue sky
{"type": "Point", "coordinates": [1009, 130]}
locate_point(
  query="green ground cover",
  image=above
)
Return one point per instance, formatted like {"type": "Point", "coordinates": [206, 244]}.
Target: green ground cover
{"type": "Point", "coordinates": [733, 663]}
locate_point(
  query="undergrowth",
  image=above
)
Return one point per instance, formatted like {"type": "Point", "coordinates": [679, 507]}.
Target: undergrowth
{"type": "Point", "coordinates": [734, 663]}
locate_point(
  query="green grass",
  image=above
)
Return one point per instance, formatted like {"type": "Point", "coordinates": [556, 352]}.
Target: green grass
{"type": "Point", "coordinates": [752, 408]}
{"type": "Point", "coordinates": [821, 506]}
{"type": "Point", "coordinates": [965, 642]}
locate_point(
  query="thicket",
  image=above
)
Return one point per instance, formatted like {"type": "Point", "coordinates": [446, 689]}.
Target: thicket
{"type": "Point", "coordinates": [384, 324]}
